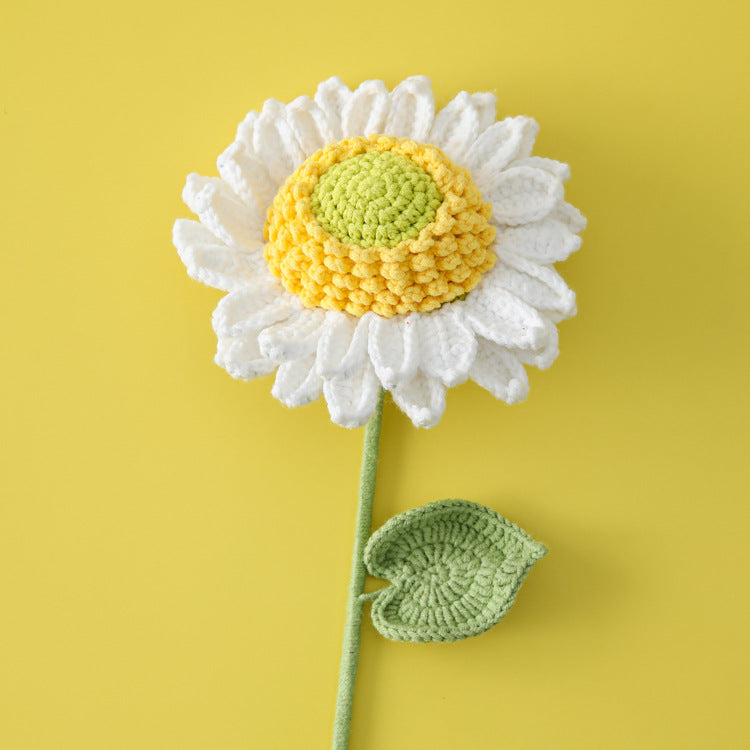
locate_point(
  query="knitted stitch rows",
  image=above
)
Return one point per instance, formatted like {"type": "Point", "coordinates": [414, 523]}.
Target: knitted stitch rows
{"type": "Point", "coordinates": [489, 335]}
{"type": "Point", "coordinates": [378, 198]}
{"type": "Point", "coordinates": [444, 260]}
{"type": "Point", "coordinates": [455, 566]}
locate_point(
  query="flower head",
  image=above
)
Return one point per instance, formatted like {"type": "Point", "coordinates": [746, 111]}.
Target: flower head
{"type": "Point", "coordinates": [365, 240]}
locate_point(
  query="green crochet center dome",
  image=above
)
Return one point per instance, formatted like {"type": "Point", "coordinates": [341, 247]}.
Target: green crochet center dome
{"type": "Point", "coordinates": [376, 199]}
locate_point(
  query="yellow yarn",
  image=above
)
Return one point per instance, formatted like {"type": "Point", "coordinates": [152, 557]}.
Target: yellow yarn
{"type": "Point", "coordinates": [444, 261]}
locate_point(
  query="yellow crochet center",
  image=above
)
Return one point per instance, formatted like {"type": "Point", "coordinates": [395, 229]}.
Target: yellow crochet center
{"type": "Point", "coordinates": [436, 262]}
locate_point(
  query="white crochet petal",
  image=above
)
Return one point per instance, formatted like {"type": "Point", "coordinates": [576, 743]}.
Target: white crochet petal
{"type": "Point", "coordinates": [352, 400]}
{"type": "Point", "coordinates": [342, 347]}
{"type": "Point", "coordinates": [275, 143]}
{"type": "Point", "coordinates": [500, 372]}
{"type": "Point", "coordinates": [570, 216]}
{"type": "Point", "coordinates": [558, 168]}
{"type": "Point", "coordinates": [251, 308]}
{"type": "Point", "coordinates": [297, 383]}
{"type": "Point", "coordinates": [412, 108]}
{"type": "Point", "coordinates": [501, 143]}
{"type": "Point", "coordinates": [456, 127]}
{"type": "Point", "coordinates": [309, 123]}
{"type": "Point", "coordinates": [485, 103]}
{"type": "Point", "coordinates": [365, 111]}
{"type": "Point", "coordinates": [245, 131]}
{"type": "Point", "coordinates": [447, 345]}
{"type": "Point", "coordinates": [540, 286]}
{"type": "Point", "coordinates": [249, 179]}
{"type": "Point", "coordinates": [293, 339]}
{"type": "Point", "coordinates": [422, 399]}
{"type": "Point", "coordinates": [212, 262]}
{"type": "Point", "coordinates": [241, 357]}
{"type": "Point", "coordinates": [547, 353]}
{"type": "Point", "coordinates": [331, 97]}
{"type": "Point", "coordinates": [393, 348]}
{"type": "Point", "coordinates": [545, 241]}
{"type": "Point", "coordinates": [222, 212]}
{"type": "Point", "coordinates": [500, 316]}
{"type": "Point", "coordinates": [524, 194]}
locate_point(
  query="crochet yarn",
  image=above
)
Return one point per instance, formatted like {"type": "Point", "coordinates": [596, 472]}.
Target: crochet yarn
{"type": "Point", "coordinates": [379, 224]}
{"type": "Point", "coordinates": [455, 569]}
{"type": "Point", "coordinates": [339, 293]}
{"type": "Point", "coordinates": [377, 198]}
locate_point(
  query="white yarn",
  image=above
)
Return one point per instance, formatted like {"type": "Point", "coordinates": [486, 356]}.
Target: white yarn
{"type": "Point", "coordinates": [297, 383]}
{"type": "Point", "coordinates": [520, 195]}
{"type": "Point", "coordinates": [331, 97]}
{"type": "Point", "coordinates": [365, 111]}
{"type": "Point", "coordinates": [210, 261]}
{"type": "Point", "coordinates": [545, 241]}
{"type": "Point", "coordinates": [342, 348]}
{"type": "Point", "coordinates": [222, 212]}
{"type": "Point", "coordinates": [497, 146]}
{"type": "Point", "coordinates": [485, 104]}
{"type": "Point", "coordinates": [248, 177]}
{"type": "Point", "coordinates": [539, 286]}
{"type": "Point", "coordinates": [500, 372]}
{"type": "Point", "coordinates": [412, 109]}
{"type": "Point", "coordinates": [500, 316]}
{"type": "Point", "coordinates": [504, 323]}
{"type": "Point", "coordinates": [309, 123]}
{"type": "Point", "coordinates": [447, 345]}
{"type": "Point", "coordinates": [456, 127]}
{"type": "Point", "coordinates": [422, 399]}
{"type": "Point", "coordinates": [351, 400]}
{"type": "Point", "coordinates": [393, 346]}
{"type": "Point", "coordinates": [274, 140]}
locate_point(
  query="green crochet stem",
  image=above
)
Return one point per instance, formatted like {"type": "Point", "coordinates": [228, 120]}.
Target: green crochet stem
{"type": "Point", "coordinates": [354, 606]}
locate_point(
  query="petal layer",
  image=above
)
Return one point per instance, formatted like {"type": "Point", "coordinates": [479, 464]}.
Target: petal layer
{"type": "Point", "coordinates": [539, 286]}
{"type": "Point", "coordinates": [524, 194]}
{"type": "Point", "coordinates": [501, 143]}
{"type": "Point", "coordinates": [447, 345]}
{"type": "Point", "coordinates": [500, 372]}
{"type": "Point", "coordinates": [222, 212]}
{"type": "Point", "coordinates": [294, 338]}
{"type": "Point", "coordinates": [297, 383]}
{"type": "Point", "coordinates": [332, 96]}
{"type": "Point", "coordinates": [411, 109]}
{"type": "Point", "coordinates": [545, 241]}
{"type": "Point", "coordinates": [500, 316]}
{"type": "Point", "coordinates": [365, 111]}
{"type": "Point", "coordinates": [394, 348]}
{"type": "Point", "coordinates": [241, 357]}
{"type": "Point", "coordinates": [212, 262]}
{"type": "Point", "coordinates": [251, 308]}
{"type": "Point", "coordinates": [351, 401]}
{"type": "Point", "coordinates": [422, 399]}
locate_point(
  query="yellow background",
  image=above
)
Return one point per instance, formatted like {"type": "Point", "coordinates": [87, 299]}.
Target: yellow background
{"type": "Point", "coordinates": [175, 545]}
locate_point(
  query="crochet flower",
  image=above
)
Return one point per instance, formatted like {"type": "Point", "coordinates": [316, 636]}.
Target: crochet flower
{"type": "Point", "coordinates": [366, 241]}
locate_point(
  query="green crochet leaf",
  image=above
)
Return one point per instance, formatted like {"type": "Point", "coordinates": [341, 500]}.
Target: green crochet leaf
{"type": "Point", "coordinates": [455, 569]}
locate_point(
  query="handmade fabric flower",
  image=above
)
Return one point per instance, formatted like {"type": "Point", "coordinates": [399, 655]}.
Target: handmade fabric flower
{"type": "Point", "coordinates": [369, 244]}
{"type": "Point", "coordinates": [366, 240]}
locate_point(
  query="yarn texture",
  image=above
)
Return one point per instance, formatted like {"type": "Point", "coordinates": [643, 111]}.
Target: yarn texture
{"type": "Point", "coordinates": [369, 243]}
{"type": "Point", "coordinates": [368, 240]}
{"type": "Point", "coordinates": [375, 199]}
{"type": "Point", "coordinates": [379, 224]}
{"type": "Point", "coordinates": [455, 569]}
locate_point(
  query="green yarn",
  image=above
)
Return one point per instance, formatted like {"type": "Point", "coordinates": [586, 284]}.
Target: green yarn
{"type": "Point", "coordinates": [353, 626]}
{"type": "Point", "coordinates": [376, 199]}
{"type": "Point", "coordinates": [455, 567]}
